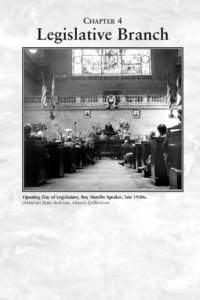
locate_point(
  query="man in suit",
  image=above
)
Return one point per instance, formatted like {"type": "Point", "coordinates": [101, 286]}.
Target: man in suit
{"type": "Point", "coordinates": [109, 129]}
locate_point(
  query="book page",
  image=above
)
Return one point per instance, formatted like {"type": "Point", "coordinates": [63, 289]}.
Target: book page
{"type": "Point", "coordinates": [87, 242]}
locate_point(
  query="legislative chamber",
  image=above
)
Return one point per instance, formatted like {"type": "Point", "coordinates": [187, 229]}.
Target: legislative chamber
{"type": "Point", "coordinates": [102, 119]}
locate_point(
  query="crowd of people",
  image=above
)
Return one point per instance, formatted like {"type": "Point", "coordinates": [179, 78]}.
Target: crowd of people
{"type": "Point", "coordinates": [163, 132]}
{"type": "Point", "coordinates": [85, 148]}
{"type": "Point", "coordinates": [80, 151]}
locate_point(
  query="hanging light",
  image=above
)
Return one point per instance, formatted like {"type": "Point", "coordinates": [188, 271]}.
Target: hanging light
{"type": "Point", "coordinates": [33, 51]}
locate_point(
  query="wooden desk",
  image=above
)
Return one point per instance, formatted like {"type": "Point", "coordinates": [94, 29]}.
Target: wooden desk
{"type": "Point", "coordinates": [35, 157]}
{"type": "Point", "coordinates": [174, 138]}
{"type": "Point", "coordinates": [174, 160]}
{"type": "Point", "coordinates": [69, 160]}
{"type": "Point", "coordinates": [55, 165]}
{"type": "Point", "coordinates": [158, 166]}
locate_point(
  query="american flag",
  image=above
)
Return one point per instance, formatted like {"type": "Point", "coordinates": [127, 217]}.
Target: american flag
{"type": "Point", "coordinates": [53, 86]}
{"type": "Point", "coordinates": [178, 92]}
{"type": "Point", "coordinates": [52, 104]}
{"type": "Point", "coordinates": [168, 94]}
{"type": "Point", "coordinates": [44, 95]}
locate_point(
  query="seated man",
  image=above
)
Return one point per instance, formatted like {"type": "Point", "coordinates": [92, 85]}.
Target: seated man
{"type": "Point", "coordinates": [70, 160]}
{"type": "Point", "coordinates": [165, 143]}
{"type": "Point", "coordinates": [109, 129]}
{"type": "Point", "coordinates": [68, 142]}
{"type": "Point", "coordinates": [129, 155]}
{"type": "Point", "coordinates": [162, 129]}
{"type": "Point", "coordinates": [27, 131]}
{"type": "Point", "coordinates": [87, 147]}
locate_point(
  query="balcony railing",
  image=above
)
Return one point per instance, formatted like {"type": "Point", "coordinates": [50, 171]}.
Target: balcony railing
{"type": "Point", "coordinates": [124, 101]}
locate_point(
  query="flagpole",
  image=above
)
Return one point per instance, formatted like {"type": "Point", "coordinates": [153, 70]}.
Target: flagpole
{"type": "Point", "coordinates": [44, 92]}
{"type": "Point", "coordinates": [75, 128]}
{"type": "Point", "coordinates": [51, 102]}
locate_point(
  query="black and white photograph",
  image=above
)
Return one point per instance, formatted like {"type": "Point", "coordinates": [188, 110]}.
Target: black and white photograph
{"type": "Point", "coordinates": [102, 119]}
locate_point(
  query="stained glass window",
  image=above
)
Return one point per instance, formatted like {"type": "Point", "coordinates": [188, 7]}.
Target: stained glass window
{"type": "Point", "coordinates": [109, 62]}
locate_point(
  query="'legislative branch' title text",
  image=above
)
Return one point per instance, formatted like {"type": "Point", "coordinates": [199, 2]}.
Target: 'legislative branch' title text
{"type": "Point", "coordinates": [118, 33]}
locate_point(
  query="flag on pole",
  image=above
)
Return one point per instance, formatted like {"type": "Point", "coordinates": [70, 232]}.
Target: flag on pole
{"type": "Point", "coordinates": [52, 98]}
{"type": "Point", "coordinates": [178, 92]}
{"type": "Point", "coordinates": [53, 92]}
{"type": "Point", "coordinates": [53, 86]}
{"type": "Point", "coordinates": [44, 95]}
{"type": "Point", "coordinates": [170, 100]}
{"type": "Point", "coordinates": [168, 94]}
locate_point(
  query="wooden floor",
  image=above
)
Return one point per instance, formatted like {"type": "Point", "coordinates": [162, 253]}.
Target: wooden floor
{"type": "Point", "coordinates": [106, 175]}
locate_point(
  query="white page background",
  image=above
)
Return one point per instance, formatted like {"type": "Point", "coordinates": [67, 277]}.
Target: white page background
{"type": "Point", "coordinates": [129, 250]}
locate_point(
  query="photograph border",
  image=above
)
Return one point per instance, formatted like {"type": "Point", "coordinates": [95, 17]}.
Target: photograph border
{"type": "Point", "coordinates": [24, 190]}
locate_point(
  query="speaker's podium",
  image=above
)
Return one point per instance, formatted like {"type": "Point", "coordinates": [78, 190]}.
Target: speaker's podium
{"type": "Point", "coordinates": [108, 146]}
